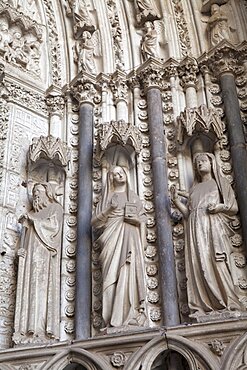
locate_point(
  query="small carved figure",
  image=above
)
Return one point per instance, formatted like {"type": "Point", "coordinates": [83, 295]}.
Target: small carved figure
{"type": "Point", "coordinates": [5, 37]}
{"type": "Point", "coordinates": [38, 286]}
{"type": "Point", "coordinates": [33, 53]}
{"type": "Point", "coordinates": [146, 10]}
{"type": "Point", "coordinates": [121, 217]}
{"type": "Point", "coordinates": [86, 50]}
{"type": "Point", "coordinates": [149, 43]}
{"type": "Point", "coordinates": [15, 52]}
{"type": "Point", "coordinates": [218, 25]}
{"type": "Point", "coordinates": [82, 18]}
{"type": "Point", "coordinates": [211, 205]}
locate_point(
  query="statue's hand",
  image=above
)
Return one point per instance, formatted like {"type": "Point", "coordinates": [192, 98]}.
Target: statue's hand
{"type": "Point", "coordinates": [215, 208]}
{"type": "Point", "coordinates": [133, 220]}
{"type": "Point", "coordinates": [174, 192]}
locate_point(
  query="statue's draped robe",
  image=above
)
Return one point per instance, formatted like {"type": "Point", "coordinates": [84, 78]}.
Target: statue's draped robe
{"type": "Point", "coordinates": [122, 261]}
{"type": "Point", "coordinates": [39, 312]}
{"type": "Point", "coordinates": [210, 285]}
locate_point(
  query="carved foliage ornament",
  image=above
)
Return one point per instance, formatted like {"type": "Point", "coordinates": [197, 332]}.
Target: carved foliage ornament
{"type": "Point", "coordinates": [188, 71]}
{"type": "Point", "coordinates": [85, 90]}
{"type": "Point", "coordinates": [121, 131]}
{"type": "Point", "coordinates": [152, 74]}
{"type": "Point", "coordinates": [50, 148]}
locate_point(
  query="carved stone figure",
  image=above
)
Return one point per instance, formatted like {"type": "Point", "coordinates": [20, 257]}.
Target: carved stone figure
{"type": "Point", "coordinates": [146, 10]}
{"type": "Point", "coordinates": [120, 215]}
{"type": "Point", "coordinates": [86, 50]}
{"type": "Point", "coordinates": [218, 26]}
{"type": "Point", "coordinates": [211, 205]}
{"type": "Point", "coordinates": [149, 43]}
{"type": "Point", "coordinates": [82, 17]}
{"type": "Point", "coordinates": [38, 286]}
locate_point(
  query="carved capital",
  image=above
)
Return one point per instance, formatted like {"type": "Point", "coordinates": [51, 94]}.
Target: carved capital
{"type": "Point", "coordinates": [55, 104]}
{"type": "Point", "coordinates": [171, 67]}
{"type": "Point", "coordinates": [152, 75]}
{"type": "Point", "coordinates": [188, 70]}
{"type": "Point", "coordinates": [85, 89]}
{"type": "Point", "coordinates": [225, 58]}
{"type": "Point", "coordinates": [49, 148]}
{"type": "Point", "coordinates": [119, 86]}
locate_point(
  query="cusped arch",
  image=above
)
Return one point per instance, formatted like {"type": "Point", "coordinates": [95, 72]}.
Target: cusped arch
{"type": "Point", "coordinates": [90, 361]}
{"type": "Point", "coordinates": [235, 352]}
{"type": "Point", "coordinates": [193, 353]}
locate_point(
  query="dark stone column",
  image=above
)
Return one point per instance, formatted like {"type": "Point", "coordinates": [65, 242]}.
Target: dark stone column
{"type": "Point", "coordinates": [84, 215]}
{"type": "Point", "coordinates": [84, 90]}
{"type": "Point", "coordinates": [162, 208]}
{"type": "Point", "coordinates": [237, 144]}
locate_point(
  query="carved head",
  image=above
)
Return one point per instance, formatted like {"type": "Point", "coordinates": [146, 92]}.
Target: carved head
{"type": "Point", "coordinates": [215, 8]}
{"type": "Point", "coordinates": [203, 164]}
{"type": "Point", "coordinates": [119, 176]}
{"type": "Point", "coordinates": [42, 195]}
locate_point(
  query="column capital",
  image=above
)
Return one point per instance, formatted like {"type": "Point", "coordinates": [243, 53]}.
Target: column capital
{"type": "Point", "coordinates": [188, 70]}
{"type": "Point", "coordinates": [55, 101]}
{"type": "Point", "coordinates": [119, 86]}
{"type": "Point", "coordinates": [225, 58]}
{"type": "Point", "coordinates": [171, 67]}
{"type": "Point", "coordinates": [152, 75]}
{"type": "Point", "coordinates": [85, 89]}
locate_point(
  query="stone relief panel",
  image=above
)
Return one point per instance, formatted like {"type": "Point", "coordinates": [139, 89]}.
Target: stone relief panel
{"type": "Point", "coordinates": [21, 38]}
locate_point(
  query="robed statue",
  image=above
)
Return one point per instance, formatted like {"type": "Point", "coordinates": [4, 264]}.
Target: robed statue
{"type": "Point", "coordinates": [210, 208]}
{"type": "Point", "coordinates": [37, 313]}
{"type": "Point", "coordinates": [120, 217]}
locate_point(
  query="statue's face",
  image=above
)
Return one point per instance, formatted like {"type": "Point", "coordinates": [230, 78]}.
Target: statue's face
{"type": "Point", "coordinates": [203, 164]}
{"type": "Point", "coordinates": [39, 193]}
{"type": "Point", "coordinates": [119, 176]}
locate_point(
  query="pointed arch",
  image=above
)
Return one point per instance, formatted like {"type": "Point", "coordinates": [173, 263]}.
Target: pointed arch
{"type": "Point", "coordinates": [193, 353]}
{"type": "Point", "coordinates": [80, 356]}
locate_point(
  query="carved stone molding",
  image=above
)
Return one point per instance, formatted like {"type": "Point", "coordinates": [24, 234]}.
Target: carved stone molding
{"type": "Point", "coordinates": [49, 148]}
{"type": "Point", "coordinates": [54, 46]}
{"type": "Point", "coordinates": [85, 89]}
{"type": "Point", "coordinates": [188, 70]}
{"type": "Point", "coordinates": [183, 33]}
{"type": "Point", "coordinates": [116, 33]}
{"type": "Point", "coordinates": [200, 119]}
{"type": "Point", "coordinates": [225, 58]}
{"type": "Point", "coordinates": [123, 132]}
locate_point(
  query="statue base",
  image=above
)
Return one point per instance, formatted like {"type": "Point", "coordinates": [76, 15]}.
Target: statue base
{"type": "Point", "coordinates": [218, 316]}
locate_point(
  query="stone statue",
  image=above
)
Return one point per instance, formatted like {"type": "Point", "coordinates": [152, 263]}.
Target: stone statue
{"type": "Point", "coordinates": [210, 209]}
{"type": "Point", "coordinates": [86, 50]}
{"type": "Point", "coordinates": [149, 43]}
{"type": "Point", "coordinates": [82, 18]}
{"type": "Point", "coordinates": [218, 26]}
{"type": "Point", "coordinates": [146, 10]}
{"type": "Point", "coordinates": [121, 217]}
{"type": "Point", "coordinates": [37, 313]}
